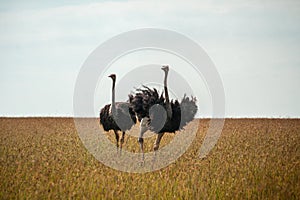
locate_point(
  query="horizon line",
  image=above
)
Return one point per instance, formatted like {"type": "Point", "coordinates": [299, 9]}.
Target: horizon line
{"type": "Point", "coordinates": [205, 117]}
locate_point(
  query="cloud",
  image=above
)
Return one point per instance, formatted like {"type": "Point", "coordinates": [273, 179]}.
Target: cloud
{"type": "Point", "coordinates": [244, 39]}
{"type": "Point", "coordinates": [109, 18]}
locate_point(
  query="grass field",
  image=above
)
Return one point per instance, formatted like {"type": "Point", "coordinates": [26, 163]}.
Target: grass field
{"type": "Point", "coordinates": [253, 159]}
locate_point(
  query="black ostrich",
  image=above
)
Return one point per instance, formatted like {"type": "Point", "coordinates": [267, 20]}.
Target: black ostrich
{"type": "Point", "coordinates": [117, 116]}
{"type": "Point", "coordinates": [159, 114]}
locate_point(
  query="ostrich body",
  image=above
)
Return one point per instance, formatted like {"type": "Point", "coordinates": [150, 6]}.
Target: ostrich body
{"type": "Point", "coordinates": [159, 114]}
{"type": "Point", "coordinates": [117, 116]}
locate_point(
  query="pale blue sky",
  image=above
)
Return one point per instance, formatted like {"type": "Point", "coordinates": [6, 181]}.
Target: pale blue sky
{"type": "Point", "coordinates": [254, 45]}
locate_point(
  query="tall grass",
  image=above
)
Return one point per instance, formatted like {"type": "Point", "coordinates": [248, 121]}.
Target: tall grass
{"type": "Point", "coordinates": [254, 159]}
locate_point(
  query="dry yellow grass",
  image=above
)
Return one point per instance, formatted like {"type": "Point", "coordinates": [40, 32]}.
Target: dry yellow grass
{"type": "Point", "coordinates": [254, 158]}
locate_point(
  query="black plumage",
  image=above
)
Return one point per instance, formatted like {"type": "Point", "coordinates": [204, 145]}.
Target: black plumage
{"type": "Point", "coordinates": [123, 120]}
{"type": "Point", "coordinates": [118, 116]}
{"type": "Point", "coordinates": [182, 112]}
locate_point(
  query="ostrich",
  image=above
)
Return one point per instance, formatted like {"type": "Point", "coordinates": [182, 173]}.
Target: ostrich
{"type": "Point", "coordinates": [117, 116]}
{"type": "Point", "coordinates": [159, 114]}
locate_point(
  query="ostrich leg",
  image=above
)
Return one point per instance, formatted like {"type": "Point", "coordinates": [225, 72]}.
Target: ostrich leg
{"type": "Point", "coordinates": [122, 141]}
{"type": "Point", "coordinates": [156, 146]}
{"type": "Point", "coordinates": [143, 129]}
{"type": "Point", "coordinates": [117, 139]}
{"type": "Point", "coordinates": [157, 141]}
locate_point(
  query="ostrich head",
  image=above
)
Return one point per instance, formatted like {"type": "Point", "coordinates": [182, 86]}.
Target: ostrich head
{"type": "Point", "coordinates": [165, 68]}
{"type": "Point", "coordinates": [112, 76]}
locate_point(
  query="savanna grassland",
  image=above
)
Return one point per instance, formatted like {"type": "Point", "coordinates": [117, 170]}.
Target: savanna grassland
{"type": "Point", "coordinates": [43, 158]}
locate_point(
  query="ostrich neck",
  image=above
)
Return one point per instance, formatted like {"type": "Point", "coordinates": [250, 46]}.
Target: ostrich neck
{"type": "Point", "coordinates": [168, 105]}
{"type": "Point", "coordinates": [113, 104]}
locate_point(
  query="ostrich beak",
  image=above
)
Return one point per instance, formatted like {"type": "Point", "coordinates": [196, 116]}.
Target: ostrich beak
{"type": "Point", "coordinates": [112, 76]}
{"type": "Point", "coordinates": [165, 67]}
